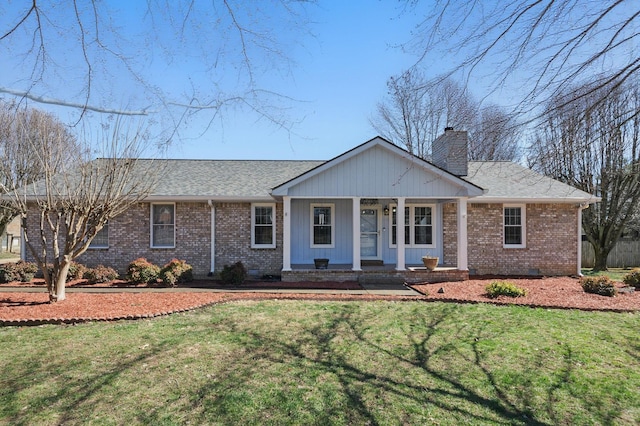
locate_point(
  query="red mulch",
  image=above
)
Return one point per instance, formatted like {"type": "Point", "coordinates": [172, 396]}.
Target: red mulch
{"type": "Point", "coordinates": [20, 308]}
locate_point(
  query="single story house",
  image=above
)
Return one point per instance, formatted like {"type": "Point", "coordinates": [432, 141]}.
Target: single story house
{"type": "Point", "coordinates": [373, 209]}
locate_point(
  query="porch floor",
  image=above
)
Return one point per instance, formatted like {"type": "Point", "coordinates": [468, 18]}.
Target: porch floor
{"type": "Point", "coordinates": [371, 274]}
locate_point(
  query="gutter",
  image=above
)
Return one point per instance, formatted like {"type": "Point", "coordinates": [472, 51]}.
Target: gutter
{"type": "Point", "coordinates": [213, 237]}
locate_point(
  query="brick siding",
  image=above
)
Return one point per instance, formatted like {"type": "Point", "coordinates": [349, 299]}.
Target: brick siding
{"type": "Point", "coordinates": [551, 241]}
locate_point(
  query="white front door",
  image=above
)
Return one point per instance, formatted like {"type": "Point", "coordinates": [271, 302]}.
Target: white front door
{"type": "Point", "coordinates": [369, 232]}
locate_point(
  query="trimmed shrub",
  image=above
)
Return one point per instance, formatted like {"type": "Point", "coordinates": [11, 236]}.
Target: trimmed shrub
{"type": "Point", "coordinates": [141, 271]}
{"type": "Point", "coordinates": [19, 271]}
{"type": "Point", "coordinates": [176, 271]}
{"type": "Point", "coordinates": [632, 278]}
{"type": "Point", "coordinates": [26, 270]}
{"type": "Point", "coordinates": [233, 274]}
{"type": "Point", "coordinates": [601, 285]}
{"type": "Point", "coordinates": [100, 274]}
{"type": "Point", "coordinates": [504, 288]}
{"type": "Point", "coordinates": [76, 271]}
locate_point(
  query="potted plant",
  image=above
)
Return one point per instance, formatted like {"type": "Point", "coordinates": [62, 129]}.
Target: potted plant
{"type": "Point", "coordinates": [430, 262]}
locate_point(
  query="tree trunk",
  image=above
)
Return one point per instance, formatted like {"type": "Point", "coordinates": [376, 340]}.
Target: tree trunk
{"type": "Point", "coordinates": [601, 255]}
{"type": "Point", "coordinates": [57, 293]}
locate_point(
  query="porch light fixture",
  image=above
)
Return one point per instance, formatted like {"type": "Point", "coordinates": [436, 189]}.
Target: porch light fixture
{"type": "Point", "coordinates": [386, 210]}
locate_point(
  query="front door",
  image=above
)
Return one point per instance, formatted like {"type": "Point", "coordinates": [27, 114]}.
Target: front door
{"type": "Point", "coordinates": [369, 233]}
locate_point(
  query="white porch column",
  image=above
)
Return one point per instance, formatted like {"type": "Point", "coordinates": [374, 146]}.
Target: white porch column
{"type": "Point", "coordinates": [580, 208]}
{"type": "Point", "coordinates": [357, 266]}
{"type": "Point", "coordinates": [400, 255]}
{"type": "Point", "coordinates": [286, 234]}
{"type": "Point", "coordinates": [462, 235]}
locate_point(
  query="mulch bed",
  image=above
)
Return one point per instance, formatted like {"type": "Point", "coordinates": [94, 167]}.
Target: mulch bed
{"type": "Point", "coordinates": [21, 308]}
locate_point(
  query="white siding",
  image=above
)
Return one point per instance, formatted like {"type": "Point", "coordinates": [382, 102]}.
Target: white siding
{"type": "Point", "coordinates": [377, 172]}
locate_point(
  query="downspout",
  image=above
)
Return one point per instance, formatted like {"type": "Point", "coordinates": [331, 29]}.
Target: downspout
{"type": "Point", "coordinates": [213, 237]}
{"type": "Point", "coordinates": [580, 208]}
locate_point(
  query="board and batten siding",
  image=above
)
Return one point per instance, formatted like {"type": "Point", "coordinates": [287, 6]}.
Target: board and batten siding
{"type": "Point", "coordinates": [301, 251]}
{"type": "Point", "coordinates": [376, 173]}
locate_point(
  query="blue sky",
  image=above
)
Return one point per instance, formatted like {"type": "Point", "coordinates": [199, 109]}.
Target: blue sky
{"type": "Point", "coordinates": [339, 77]}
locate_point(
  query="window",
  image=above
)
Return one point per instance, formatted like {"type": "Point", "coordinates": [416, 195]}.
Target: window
{"type": "Point", "coordinates": [394, 227]}
{"type": "Point", "coordinates": [101, 240]}
{"type": "Point", "coordinates": [418, 226]}
{"type": "Point", "coordinates": [322, 229]}
{"type": "Point", "coordinates": [263, 226]}
{"type": "Point", "coordinates": [514, 226]}
{"type": "Point", "coordinates": [163, 225]}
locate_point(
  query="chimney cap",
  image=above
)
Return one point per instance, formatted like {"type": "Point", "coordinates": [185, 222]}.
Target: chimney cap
{"type": "Point", "coordinates": [448, 128]}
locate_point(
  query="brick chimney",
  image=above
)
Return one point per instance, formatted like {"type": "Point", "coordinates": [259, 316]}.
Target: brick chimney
{"type": "Point", "coordinates": [449, 151]}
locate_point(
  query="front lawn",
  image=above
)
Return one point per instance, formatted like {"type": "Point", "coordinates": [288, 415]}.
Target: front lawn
{"type": "Point", "coordinates": [615, 274]}
{"type": "Point", "coordinates": [305, 362]}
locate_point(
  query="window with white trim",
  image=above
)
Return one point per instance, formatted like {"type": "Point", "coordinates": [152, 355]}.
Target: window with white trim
{"type": "Point", "coordinates": [514, 230]}
{"type": "Point", "coordinates": [101, 240]}
{"type": "Point", "coordinates": [418, 225]}
{"type": "Point", "coordinates": [163, 225]}
{"type": "Point", "coordinates": [263, 225]}
{"type": "Point", "coordinates": [322, 226]}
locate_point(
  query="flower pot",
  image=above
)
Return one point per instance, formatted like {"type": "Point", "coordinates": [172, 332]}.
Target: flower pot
{"type": "Point", "coordinates": [321, 263]}
{"type": "Point", "coordinates": [430, 262]}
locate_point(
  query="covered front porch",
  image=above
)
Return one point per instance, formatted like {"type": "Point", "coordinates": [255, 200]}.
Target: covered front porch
{"type": "Point", "coordinates": [375, 211]}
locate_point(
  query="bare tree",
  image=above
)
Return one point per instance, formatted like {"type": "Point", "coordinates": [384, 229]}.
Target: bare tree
{"type": "Point", "coordinates": [20, 128]}
{"type": "Point", "coordinates": [594, 145]}
{"type": "Point", "coordinates": [417, 111]}
{"type": "Point", "coordinates": [64, 210]}
{"type": "Point", "coordinates": [552, 43]}
{"type": "Point", "coordinates": [170, 58]}
{"type": "Point", "coordinates": [494, 136]}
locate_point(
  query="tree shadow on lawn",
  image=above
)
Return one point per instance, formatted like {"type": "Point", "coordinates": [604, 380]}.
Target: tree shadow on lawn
{"type": "Point", "coordinates": [416, 376]}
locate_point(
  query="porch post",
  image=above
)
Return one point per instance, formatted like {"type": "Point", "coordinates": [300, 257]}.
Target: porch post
{"type": "Point", "coordinates": [286, 233]}
{"type": "Point", "coordinates": [400, 255]}
{"type": "Point", "coordinates": [462, 235]}
{"type": "Point", "coordinates": [357, 266]}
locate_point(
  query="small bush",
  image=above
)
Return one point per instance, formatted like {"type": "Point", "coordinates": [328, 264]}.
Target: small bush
{"type": "Point", "coordinates": [632, 278]}
{"type": "Point", "coordinates": [601, 285]}
{"type": "Point", "coordinates": [504, 288]}
{"type": "Point", "coordinates": [234, 274]}
{"type": "Point", "coordinates": [100, 274]}
{"type": "Point", "coordinates": [76, 271]}
{"type": "Point", "coordinates": [176, 271]}
{"type": "Point", "coordinates": [141, 271]}
{"type": "Point", "coordinates": [19, 271]}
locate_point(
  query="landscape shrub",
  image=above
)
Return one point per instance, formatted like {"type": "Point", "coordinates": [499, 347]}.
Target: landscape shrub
{"type": "Point", "coordinates": [233, 274]}
{"type": "Point", "coordinates": [19, 271]}
{"type": "Point", "coordinates": [176, 271]}
{"type": "Point", "coordinates": [8, 273]}
{"type": "Point", "coordinates": [504, 288]}
{"type": "Point", "coordinates": [141, 271]}
{"type": "Point", "coordinates": [601, 285]}
{"type": "Point", "coordinates": [100, 274]}
{"type": "Point", "coordinates": [632, 278]}
{"type": "Point", "coordinates": [76, 271]}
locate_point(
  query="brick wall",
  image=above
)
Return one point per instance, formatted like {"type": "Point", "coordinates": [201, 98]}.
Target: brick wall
{"type": "Point", "coordinates": [233, 240]}
{"type": "Point", "coordinates": [450, 234]}
{"type": "Point", "coordinates": [129, 239]}
{"type": "Point", "coordinates": [551, 241]}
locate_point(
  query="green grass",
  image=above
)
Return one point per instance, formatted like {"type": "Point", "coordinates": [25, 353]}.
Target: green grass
{"type": "Point", "coordinates": [340, 363]}
{"type": "Point", "coordinates": [8, 255]}
{"type": "Point", "coordinates": [615, 274]}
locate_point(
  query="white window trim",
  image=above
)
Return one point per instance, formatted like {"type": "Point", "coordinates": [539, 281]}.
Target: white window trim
{"type": "Point", "coordinates": [97, 247]}
{"type": "Point", "coordinates": [151, 225]}
{"type": "Point", "coordinates": [253, 226]}
{"type": "Point", "coordinates": [523, 226]}
{"type": "Point", "coordinates": [333, 225]}
{"type": "Point", "coordinates": [412, 213]}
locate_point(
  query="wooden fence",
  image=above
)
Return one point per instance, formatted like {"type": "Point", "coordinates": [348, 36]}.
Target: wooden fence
{"type": "Point", "coordinates": [625, 254]}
